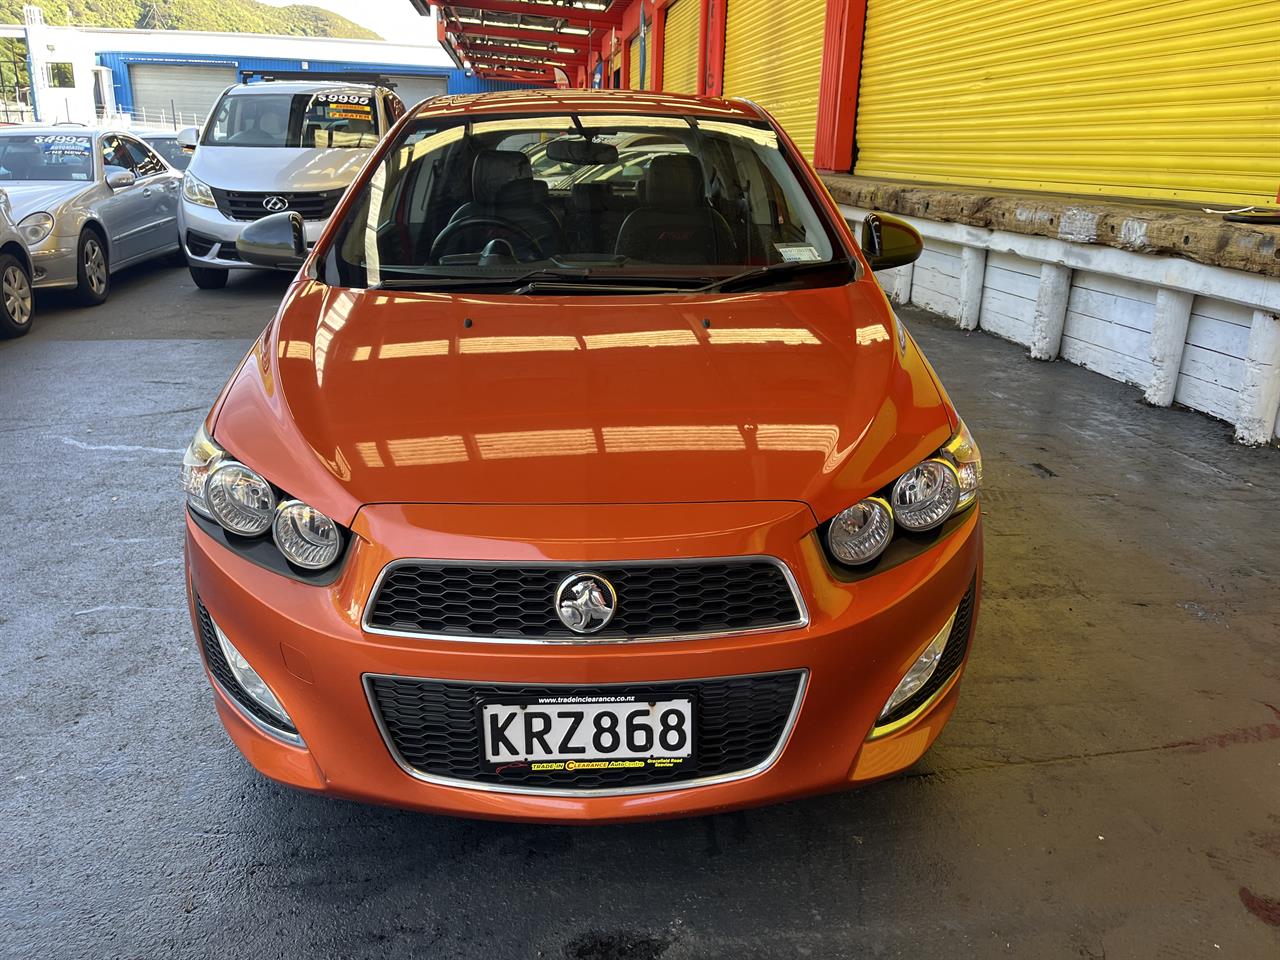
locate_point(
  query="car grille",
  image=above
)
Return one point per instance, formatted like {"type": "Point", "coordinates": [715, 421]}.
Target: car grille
{"type": "Point", "coordinates": [221, 670]}
{"type": "Point", "coordinates": [243, 205]}
{"type": "Point", "coordinates": [655, 600]}
{"type": "Point", "coordinates": [432, 728]}
{"type": "Point", "coordinates": [952, 656]}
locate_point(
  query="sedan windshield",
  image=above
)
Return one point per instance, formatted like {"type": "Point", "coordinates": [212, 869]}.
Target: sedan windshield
{"type": "Point", "coordinates": [569, 200]}
{"type": "Point", "coordinates": [310, 120]}
{"type": "Point", "coordinates": [46, 157]}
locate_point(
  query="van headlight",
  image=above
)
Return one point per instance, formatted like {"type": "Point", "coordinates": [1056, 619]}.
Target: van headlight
{"type": "Point", "coordinates": [243, 502]}
{"type": "Point", "coordinates": [197, 191]}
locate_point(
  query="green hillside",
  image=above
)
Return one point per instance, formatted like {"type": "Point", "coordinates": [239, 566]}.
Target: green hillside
{"type": "Point", "coordinates": [228, 16]}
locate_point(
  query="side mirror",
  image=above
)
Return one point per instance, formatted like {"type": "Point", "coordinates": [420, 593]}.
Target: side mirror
{"type": "Point", "coordinates": [889, 242]}
{"type": "Point", "coordinates": [277, 241]}
{"type": "Point", "coordinates": [188, 137]}
{"type": "Point", "coordinates": [119, 179]}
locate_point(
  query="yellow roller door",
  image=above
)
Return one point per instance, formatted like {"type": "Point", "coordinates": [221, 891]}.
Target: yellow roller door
{"type": "Point", "coordinates": [773, 55]}
{"type": "Point", "coordinates": [680, 47]}
{"type": "Point", "coordinates": [633, 61]}
{"type": "Point", "coordinates": [1178, 99]}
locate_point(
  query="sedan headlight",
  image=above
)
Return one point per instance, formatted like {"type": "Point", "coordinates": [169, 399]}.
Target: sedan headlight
{"type": "Point", "coordinates": [201, 456]}
{"type": "Point", "coordinates": [197, 191]}
{"type": "Point", "coordinates": [35, 228]}
{"type": "Point", "coordinates": [306, 536]}
{"type": "Point", "coordinates": [240, 499]}
{"type": "Point", "coordinates": [925, 495]}
{"type": "Point", "coordinates": [243, 502]}
{"type": "Point", "coordinates": [860, 533]}
{"type": "Point", "coordinates": [922, 499]}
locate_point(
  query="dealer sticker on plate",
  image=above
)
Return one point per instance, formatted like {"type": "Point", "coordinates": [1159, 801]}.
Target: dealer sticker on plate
{"type": "Point", "coordinates": [573, 733]}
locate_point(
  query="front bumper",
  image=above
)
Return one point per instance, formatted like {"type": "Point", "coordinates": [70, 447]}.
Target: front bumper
{"type": "Point", "coordinates": [209, 238]}
{"type": "Point", "coordinates": [308, 644]}
{"type": "Point", "coordinates": [54, 264]}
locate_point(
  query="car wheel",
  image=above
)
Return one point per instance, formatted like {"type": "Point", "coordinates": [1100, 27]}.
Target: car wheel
{"type": "Point", "coordinates": [17, 303]}
{"type": "Point", "coordinates": [93, 273]}
{"type": "Point", "coordinates": [208, 278]}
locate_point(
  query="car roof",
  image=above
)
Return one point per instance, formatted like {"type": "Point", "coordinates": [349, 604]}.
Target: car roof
{"type": "Point", "coordinates": [67, 129]}
{"type": "Point", "coordinates": [536, 101]}
{"type": "Point", "coordinates": [297, 86]}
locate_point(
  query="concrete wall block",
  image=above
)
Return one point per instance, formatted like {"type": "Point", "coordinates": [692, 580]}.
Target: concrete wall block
{"type": "Point", "coordinates": [1051, 311]}
{"type": "Point", "coordinates": [1168, 342]}
{"type": "Point", "coordinates": [1260, 385]}
{"type": "Point", "coordinates": [973, 272]}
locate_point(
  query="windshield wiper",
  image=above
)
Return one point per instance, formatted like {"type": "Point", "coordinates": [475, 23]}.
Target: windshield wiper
{"type": "Point", "coordinates": [451, 281]}
{"type": "Point", "coordinates": [777, 273]}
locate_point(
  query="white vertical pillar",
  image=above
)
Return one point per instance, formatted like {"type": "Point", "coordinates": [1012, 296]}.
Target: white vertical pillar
{"type": "Point", "coordinates": [900, 286]}
{"type": "Point", "coordinates": [1051, 311]}
{"type": "Point", "coordinates": [1260, 387]}
{"type": "Point", "coordinates": [1168, 337]}
{"type": "Point", "coordinates": [973, 276]}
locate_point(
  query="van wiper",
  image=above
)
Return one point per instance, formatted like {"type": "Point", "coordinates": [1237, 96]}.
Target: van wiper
{"type": "Point", "coordinates": [779, 273]}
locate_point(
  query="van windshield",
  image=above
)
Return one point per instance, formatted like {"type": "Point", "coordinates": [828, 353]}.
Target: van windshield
{"type": "Point", "coordinates": [567, 198]}
{"type": "Point", "coordinates": [344, 118]}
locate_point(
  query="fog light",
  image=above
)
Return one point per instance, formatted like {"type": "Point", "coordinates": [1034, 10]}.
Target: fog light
{"type": "Point", "coordinates": [253, 685]}
{"type": "Point", "coordinates": [920, 671]}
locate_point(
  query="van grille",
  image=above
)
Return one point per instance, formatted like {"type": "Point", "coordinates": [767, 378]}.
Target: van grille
{"type": "Point", "coordinates": [243, 205]}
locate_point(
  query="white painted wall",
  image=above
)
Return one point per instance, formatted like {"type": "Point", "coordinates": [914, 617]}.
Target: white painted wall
{"type": "Point", "coordinates": [1184, 332]}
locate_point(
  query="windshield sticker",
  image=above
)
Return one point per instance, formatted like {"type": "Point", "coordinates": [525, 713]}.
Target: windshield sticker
{"type": "Point", "coordinates": [797, 252]}
{"type": "Point", "coordinates": [349, 113]}
{"type": "Point", "coordinates": [64, 146]}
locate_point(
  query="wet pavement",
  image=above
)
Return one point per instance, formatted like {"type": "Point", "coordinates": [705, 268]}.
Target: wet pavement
{"type": "Point", "coordinates": [1109, 785]}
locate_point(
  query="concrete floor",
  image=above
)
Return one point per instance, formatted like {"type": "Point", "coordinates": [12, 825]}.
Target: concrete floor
{"type": "Point", "coordinates": [1109, 786]}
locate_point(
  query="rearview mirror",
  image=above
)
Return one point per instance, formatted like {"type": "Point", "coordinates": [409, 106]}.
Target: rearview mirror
{"type": "Point", "coordinates": [275, 241]}
{"type": "Point", "coordinates": [188, 137]}
{"type": "Point", "coordinates": [889, 242]}
{"type": "Point", "coordinates": [119, 179]}
{"type": "Point", "coordinates": [581, 152]}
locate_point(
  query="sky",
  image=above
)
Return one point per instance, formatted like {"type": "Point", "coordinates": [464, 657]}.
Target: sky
{"type": "Point", "coordinates": [395, 20]}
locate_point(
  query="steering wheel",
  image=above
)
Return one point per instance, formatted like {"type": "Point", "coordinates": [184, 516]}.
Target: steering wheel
{"type": "Point", "coordinates": [457, 225]}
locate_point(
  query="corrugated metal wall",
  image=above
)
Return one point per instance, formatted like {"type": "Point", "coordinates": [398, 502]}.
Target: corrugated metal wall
{"type": "Point", "coordinates": [633, 62]}
{"type": "Point", "coordinates": [680, 47]}
{"type": "Point", "coordinates": [773, 55]}
{"type": "Point", "coordinates": [119, 61]}
{"type": "Point", "coordinates": [1177, 99]}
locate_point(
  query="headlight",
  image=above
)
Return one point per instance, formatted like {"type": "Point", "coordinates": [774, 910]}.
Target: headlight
{"type": "Point", "coordinates": [35, 227]}
{"type": "Point", "coordinates": [240, 499]}
{"type": "Point", "coordinates": [925, 495]}
{"type": "Point", "coordinates": [306, 536]}
{"type": "Point", "coordinates": [201, 456]}
{"type": "Point", "coordinates": [962, 450]}
{"type": "Point", "coordinates": [860, 533]}
{"type": "Point", "coordinates": [197, 191]}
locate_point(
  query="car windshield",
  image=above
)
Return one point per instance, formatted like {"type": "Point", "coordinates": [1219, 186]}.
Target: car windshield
{"type": "Point", "coordinates": [46, 157]}
{"type": "Point", "coordinates": [553, 199]}
{"type": "Point", "coordinates": [335, 118]}
{"type": "Point", "coordinates": [171, 150]}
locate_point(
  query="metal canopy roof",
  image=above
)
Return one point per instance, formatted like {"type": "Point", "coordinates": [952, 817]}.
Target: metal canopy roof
{"type": "Point", "coordinates": [533, 41]}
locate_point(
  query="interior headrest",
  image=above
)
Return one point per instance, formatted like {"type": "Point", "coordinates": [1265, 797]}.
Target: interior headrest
{"type": "Point", "coordinates": [493, 168]}
{"type": "Point", "coordinates": [521, 191]}
{"type": "Point", "coordinates": [592, 196]}
{"type": "Point", "coordinates": [674, 181]}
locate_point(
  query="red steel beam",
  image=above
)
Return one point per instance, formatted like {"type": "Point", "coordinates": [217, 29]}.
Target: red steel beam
{"type": "Point", "coordinates": [579, 41]}
{"type": "Point", "coordinates": [575, 15]}
{"type": "Point", "coordinates": [474, 52]}
{"type": "Point", "coordinates": [838, 88]}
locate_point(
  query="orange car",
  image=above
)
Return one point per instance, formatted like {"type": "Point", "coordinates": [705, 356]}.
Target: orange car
{"type": "Point", "coordinates": [615, 491]}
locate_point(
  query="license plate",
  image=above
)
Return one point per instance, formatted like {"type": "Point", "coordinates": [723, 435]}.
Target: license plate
{"type": "Point", "coordinates": [571, 732]}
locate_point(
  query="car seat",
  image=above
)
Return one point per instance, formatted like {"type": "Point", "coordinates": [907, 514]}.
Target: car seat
{"type": "Point", "coordinates": [675, 223]}
{"type": "Point", "coordinates": [503, 188]}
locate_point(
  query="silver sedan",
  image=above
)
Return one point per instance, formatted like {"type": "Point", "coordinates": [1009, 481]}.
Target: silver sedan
{"type": "Point", "coordinates": [88, 202]}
